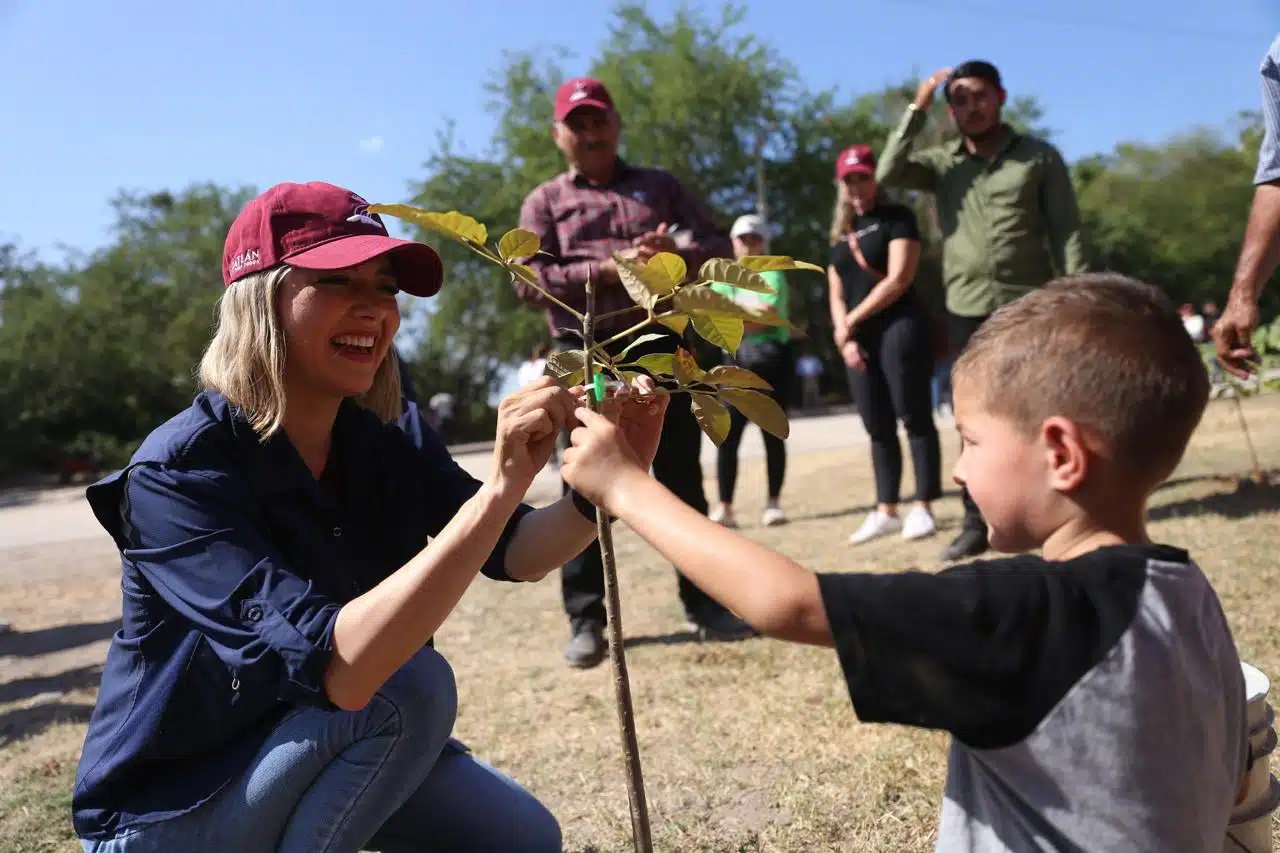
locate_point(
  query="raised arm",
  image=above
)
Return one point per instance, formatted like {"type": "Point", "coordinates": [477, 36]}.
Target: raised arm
{"type": "Point", "coordinates": [1062, 217]}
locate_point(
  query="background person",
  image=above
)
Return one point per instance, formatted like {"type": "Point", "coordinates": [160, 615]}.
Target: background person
{"type": "Point", "coordinates": [766, 351]}
{"type": "Point", "coordinates": [883, 333]}
{"type": "Point", "coordinates": [1260, 253]}
{"type": "Point", "coordinates": [600, 205]}
{"type": "Point", "coordinates": [1007, 209]}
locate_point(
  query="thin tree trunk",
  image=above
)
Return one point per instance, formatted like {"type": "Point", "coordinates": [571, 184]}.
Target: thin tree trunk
{"type": "Point", "coordinates": [640, 833]}
{"type": "Point", "coordinates": [1258, 476]}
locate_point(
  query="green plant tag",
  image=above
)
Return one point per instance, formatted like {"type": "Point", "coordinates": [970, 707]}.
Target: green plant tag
{"type": "Point", "coordinates": [597, 384]}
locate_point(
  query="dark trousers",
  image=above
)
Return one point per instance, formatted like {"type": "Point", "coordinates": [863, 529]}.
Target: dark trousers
{"type": "Point", "coordinates": [773, 362]}
{"type": "Point", "coordinates": [962, 328]}
{"type": "Point", "coordinates": [895, 384]}
{"type": "Point", "coordinates": [677, 466]}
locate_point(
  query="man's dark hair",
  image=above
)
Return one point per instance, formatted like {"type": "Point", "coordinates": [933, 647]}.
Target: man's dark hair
{"type": "Point", "coordinates": [981, 69]}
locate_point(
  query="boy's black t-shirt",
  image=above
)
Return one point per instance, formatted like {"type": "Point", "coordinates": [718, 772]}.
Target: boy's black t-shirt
{"type": "Point", "coordinates": [1095, 703]}
{"type": "Point", "coordinates": [875, 230]}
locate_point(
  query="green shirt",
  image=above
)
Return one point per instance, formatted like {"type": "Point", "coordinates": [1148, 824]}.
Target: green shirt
{"type": "Point", "coordinates": [1009, 224]}
{"type": "Point", "coordinates": [779, 301]}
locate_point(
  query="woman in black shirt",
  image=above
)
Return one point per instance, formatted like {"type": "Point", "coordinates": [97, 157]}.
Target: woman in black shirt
{"type": "Point", "coordinates": [883, 334]}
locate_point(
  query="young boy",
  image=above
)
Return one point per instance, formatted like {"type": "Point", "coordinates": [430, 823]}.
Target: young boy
{"type": "Point", "coordinates": [1094, 695]}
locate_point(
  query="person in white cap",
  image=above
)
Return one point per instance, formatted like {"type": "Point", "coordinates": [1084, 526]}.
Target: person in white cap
{"type": "Point", "coordinates": [767, 351]}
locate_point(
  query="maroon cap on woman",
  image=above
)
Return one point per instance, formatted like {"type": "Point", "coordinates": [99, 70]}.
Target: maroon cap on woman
{"type": "Point", "coordinates": [856, 159]}
{"type": "Point", "coordinates": [318, 226]}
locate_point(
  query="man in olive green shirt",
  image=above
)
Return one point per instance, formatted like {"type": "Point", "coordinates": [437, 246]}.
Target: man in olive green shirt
{"type": "Point", "coordinates": [1006, 207]}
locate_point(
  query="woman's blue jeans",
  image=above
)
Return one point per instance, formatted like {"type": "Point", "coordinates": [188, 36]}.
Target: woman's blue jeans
{"type": "Point", "coordinates": [387, 778]}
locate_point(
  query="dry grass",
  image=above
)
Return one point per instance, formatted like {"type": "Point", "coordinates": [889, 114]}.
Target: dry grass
{"type": "Point", "coordinates": [746, 746]}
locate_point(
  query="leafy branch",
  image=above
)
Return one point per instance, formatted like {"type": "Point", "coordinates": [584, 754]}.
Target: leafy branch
{"type": "Point", "coordinates": [660, 288]}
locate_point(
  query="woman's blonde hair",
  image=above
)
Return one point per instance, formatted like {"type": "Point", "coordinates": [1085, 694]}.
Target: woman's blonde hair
{"type": "Point", "coordinates": [842, 215]}
{"type": "Point", "coordinates": [245, 361]}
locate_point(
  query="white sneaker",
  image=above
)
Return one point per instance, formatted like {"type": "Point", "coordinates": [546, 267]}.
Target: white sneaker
{"type": "Point", "coordinates": [918, 524]}
{"type": "Point", "coordinates": [723, 515]}
{"type": "Point", "coordinates": [773, 516]}
{"type": "Point", "coordinates": [876, 524]}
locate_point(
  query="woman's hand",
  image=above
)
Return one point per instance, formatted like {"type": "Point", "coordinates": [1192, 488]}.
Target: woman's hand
{"type": "Point", "coordinates": [854, 357]}
{"type": "Point", "coordinates": [528, 422]}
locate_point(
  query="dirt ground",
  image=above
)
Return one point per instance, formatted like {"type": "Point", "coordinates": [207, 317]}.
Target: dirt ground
{"type": "Point", "coordinates": [749, 746]}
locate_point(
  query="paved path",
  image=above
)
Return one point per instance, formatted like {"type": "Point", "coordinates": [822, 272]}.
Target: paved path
{"type": "Point", "coordinates": [51, 516]}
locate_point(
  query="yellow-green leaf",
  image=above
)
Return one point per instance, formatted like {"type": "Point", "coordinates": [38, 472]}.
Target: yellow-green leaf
{"type": "Point", "coordinates": [518, 243]}
{"type": "Point", "coordinates": [453, 224]}
{"type": "Point", "coordinates": [712, 416]}
{"type": "Point", "coordinates": [651, 336]}
{"type": "Point", "coordinates": [731, 376]}
{"type": "Point", "coordinates": [763, 263]}
{"type": "Point", "coordinates": [724, 332]}
{"type": "Point", "coordinates": [635, 278]}
{"type": "Point", "coordinates": [669, 269]}
{"type": "Point", "coordinates": [568, 368]}
{"type": "Point", "coordinates": [685, 367]}
{"type": "Point", "coordinates": [726, 271]}
{"type": "Point", "coordinates": [702, 301]}
{"type": "Point", "coordinates": [657, 363]}
{"type": "Point", "coordinates": [759, 409]}
{"type": "Point", "coordinates": [675, 322]}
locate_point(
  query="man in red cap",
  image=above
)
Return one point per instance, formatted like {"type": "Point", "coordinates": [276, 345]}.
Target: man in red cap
{"type": "Point", "coordinates": [599, 206]}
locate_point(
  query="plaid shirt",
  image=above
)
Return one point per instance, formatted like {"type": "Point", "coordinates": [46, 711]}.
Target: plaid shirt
{"type": "Point", "coordinates": [581, 224]}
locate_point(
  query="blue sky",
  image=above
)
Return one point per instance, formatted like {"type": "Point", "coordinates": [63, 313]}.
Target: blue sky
{"type": "Point", "coordinates": [149, 95]}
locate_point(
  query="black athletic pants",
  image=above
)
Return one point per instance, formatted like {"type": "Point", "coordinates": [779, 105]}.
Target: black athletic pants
{"type": "Point", "coordinates": [895, 385]}
{"type": "Point", "coordinates": [962, 328]}
{"type": "Point", "coordinates": [774, 362]}
{"type": "Point", "coordinates": [677, 466]}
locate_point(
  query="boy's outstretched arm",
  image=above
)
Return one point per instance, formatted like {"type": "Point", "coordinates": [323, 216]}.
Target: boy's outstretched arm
{"type": "Point", "coordinates": [775, 595]}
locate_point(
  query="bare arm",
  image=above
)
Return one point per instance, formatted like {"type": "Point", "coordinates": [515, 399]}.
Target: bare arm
{"type": "Point", "coordinates": [904, 255]}
{"type": "Point", "coordinates": [547, 538]}
{"type": "Point", "coordinates": [377, 632]}
{"type": "Point", "coordinates": [775, 595]}
{"type": "Point", "coordinates": [1260, 253]}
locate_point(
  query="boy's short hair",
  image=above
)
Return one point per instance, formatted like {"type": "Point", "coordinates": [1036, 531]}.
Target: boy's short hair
{"type": "Point", "coordinates": [1107, 351]}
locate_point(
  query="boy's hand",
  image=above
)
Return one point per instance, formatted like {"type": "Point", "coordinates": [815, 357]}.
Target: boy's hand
{"type": "Point", "coordinates": [598, 459]}
{"type": "Point", "coordinates": [639, 412]}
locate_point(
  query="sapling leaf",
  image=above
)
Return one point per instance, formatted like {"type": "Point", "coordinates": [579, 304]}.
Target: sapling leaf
{"type": "Point", "coordinates": [675, 322]}
{"type": "Point", "coordinates": [667, 267]}
{"type": "Point", "coordinates": [763, 263]}
{"type": "Point", "coordinates": [518, 243]}
{"type": "Point", "coordinates": [453, 224]}
{"type": "Point", "coordinates": [711, 415]}
{"type": "Point", "coordinates": [643, 283]}
{"type": "Point", "coordinates": [731, 376]}
{"type": "Point", "coordinates": [725, 271]}
{"type": "Point", "coordinates": [657, 363]}
{"type": "Point", "coordinates": [685, 367]}
{"type": "Point", "coordinates": [568, 368]}
{"type": "Point", "coordinates": [701, 300]}
{"type": "Point", "coordinates": [759, 409]}
{"type": "Point", "coordinates": [724, 332]}
{"type": "Point", "coordinates": [524, 272]}
{"type": "Point", "coordinates": [651, 336]}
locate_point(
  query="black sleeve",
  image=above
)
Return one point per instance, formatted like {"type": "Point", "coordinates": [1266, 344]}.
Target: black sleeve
{"type": "Point", "coordinates": [901, 224]}
{"type": "Point", "coordinates": [983, 650]}
{"type": "Point", "coordinates": [833, 254]}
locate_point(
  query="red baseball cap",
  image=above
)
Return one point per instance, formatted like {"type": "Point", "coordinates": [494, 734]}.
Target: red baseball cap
{"type": "Point", "coordinates": [856, 159]}
{"type": "Point", "coordinates": [317, 226]}
{"type": "Point", "coordinates": [581, 92]}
